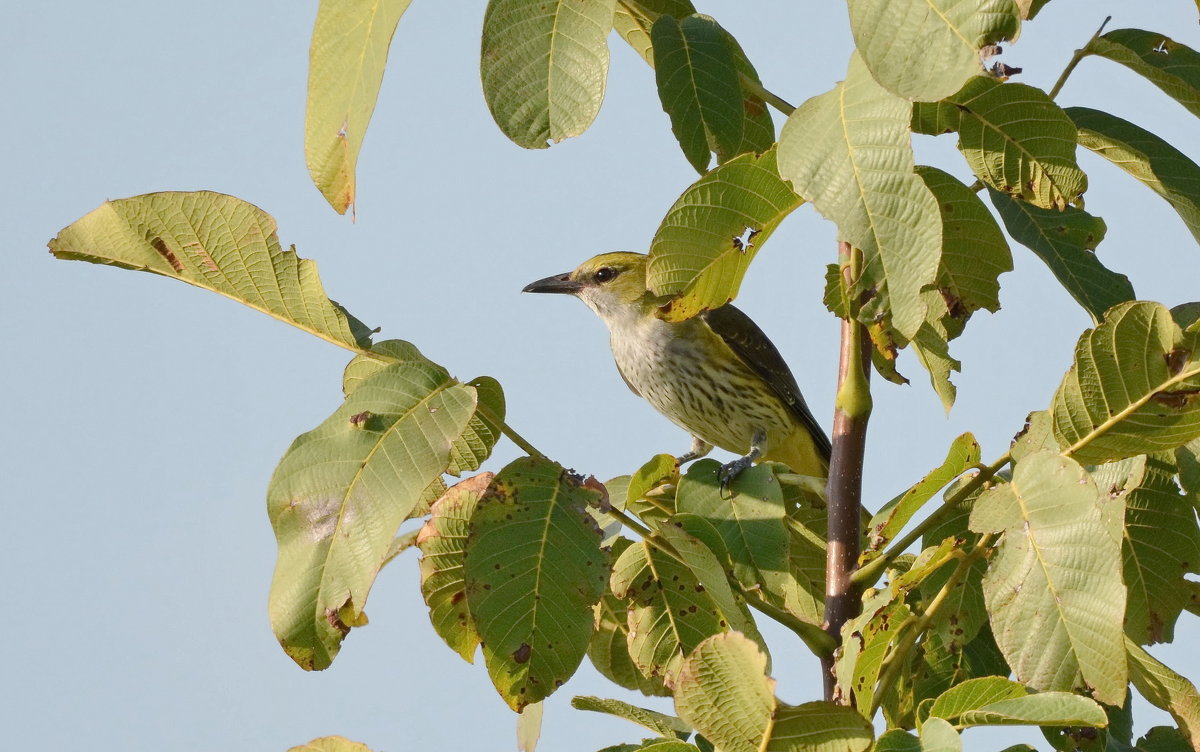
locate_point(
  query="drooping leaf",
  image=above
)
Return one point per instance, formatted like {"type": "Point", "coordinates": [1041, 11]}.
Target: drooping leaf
{"type": "Point", "coordinates": [544, 66]}
{"type": "Point", "coordinates": [848, 151]}
{"type": "Point", "coordinates": [534, 569]}
{"type": "Point", "coordinates": [1161, 167]}
{"type": "Point", "coordinates": [443, 585]}
{"type": "Point", "coordinates": [1042, 709]}
{"type": "Point", "coordinates": [1014, 137]}
{"type": "Point", "coordinates": [1066, 241]}
{"type": "Point", "coordinates": [706, 242]}
{"type": "Point", "coordinates": [1131, 389]}
{"type": "Point", "coordinates": [342, 490]}
{"type": "Point", "coordinates": [724, 693]}
{"type": "Point", "coordinates": [698, 86]}
{"type": "Point", "coordinates": [927, 49]}
{"type": "Point", "coordinates": [1169, 65]}
{"type": "Point", "coordinates": [1163, 688]}
{"type": "Point", "coordinates": [893, 516]}
{"type": "Point", "coordinates": [1056, 574]}
{"type": "Point", "coordinates": [667, 726]}
{"type": "Point", "coordinates": [349, 49]}
{"type": "Point", "coordinates": [529, 726]}
{"type": "Point", "coordinates": [216, 242]}
{"type": "Point", "coordinates": [634, 19]}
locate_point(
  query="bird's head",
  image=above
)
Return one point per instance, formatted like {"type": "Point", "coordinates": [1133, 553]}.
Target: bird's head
{"type": "Point", "coordinates": [612, 284]}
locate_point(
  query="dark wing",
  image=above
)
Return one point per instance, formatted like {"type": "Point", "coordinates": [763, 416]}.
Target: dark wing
{"type": "Point", "coordinates": [750, 344]}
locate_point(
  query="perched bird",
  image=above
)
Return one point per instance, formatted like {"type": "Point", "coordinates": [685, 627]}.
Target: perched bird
{"type": "Point", "coordinates": [717, 375]}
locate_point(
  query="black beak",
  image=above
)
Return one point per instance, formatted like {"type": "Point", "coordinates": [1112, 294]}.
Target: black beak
{"type": "Point", "coordinates": [559, 283]}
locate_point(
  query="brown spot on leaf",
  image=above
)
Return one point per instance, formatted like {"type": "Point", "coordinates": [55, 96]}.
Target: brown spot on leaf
{"type": "Point", "coordinates": [521, 654]}
{"type": "Point", "coordinates": [160, 246]}
{"type": "Point", "coordinates": [359, 420]}
{"type": "Point", "coordinates": [1176, 400]}
{"type": "Point", "coordinates": [1177, 359]}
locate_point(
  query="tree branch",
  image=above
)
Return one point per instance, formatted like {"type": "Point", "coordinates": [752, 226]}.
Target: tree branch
{"type": "Point", "coordinates": [1080, 54]}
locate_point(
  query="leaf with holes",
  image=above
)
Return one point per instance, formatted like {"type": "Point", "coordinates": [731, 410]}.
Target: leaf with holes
{"type": "Point", "coordinates": [342, 490]}
{"type": "Point", "coordinates": [349, 50]}
{"type": "Point", "coordinates": [1169, 65]}
{"type": "Point", "coordinates": [1014, 137]}
{"type": "Point", "coordinates": [1132, 388]}
{"type": "Point", "coordinates": [849, 152]}
{"type": "Point", "coordinates": [1066, 241]}
{"type": "Point", "coordinates": [534, 570]}
{"type": "Point", "coordinates": [1056, 574]}
{"type": "Point", "coordinates": [544, 66]}
{"type": "Point", "coordinates": [706, 242]}
{"type": "Point", "coordinates": [1161, 167]}
{"type": "Point", "coordinates": [218, 243]}
{"type": "Point", "coordinates": [927, 49]}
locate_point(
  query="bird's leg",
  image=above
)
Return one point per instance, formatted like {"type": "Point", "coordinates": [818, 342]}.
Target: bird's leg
{"type": "Point", "coordinates": [731, 470]}
{"type": "Point", "coordinates": [698, 450]}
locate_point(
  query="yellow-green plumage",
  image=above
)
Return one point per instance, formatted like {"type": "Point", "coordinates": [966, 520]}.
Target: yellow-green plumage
{"type": "Point", "coordinates": [717, 375]}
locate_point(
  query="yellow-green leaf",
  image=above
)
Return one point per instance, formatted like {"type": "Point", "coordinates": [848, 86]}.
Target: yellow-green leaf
{"type": "Point", "coordinates": [1169, 65]}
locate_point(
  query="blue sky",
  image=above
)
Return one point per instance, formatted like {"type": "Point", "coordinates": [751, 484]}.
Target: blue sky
{"type": "Point", "coordinates": [144, 417]}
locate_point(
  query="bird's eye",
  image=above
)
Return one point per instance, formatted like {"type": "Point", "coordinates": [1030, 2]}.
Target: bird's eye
{"type": "Point", "coordinates": [605, 274]}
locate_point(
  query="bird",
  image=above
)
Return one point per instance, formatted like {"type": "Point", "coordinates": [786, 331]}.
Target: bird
{"type": "Point", "coordinates": [715, 375]}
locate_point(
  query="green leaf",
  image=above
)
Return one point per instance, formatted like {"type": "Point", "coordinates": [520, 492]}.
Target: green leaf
{"type": "Point", "coordinates": [1030, 8]}
{"type": "Point", "coordinates": [349, 50]}
{"type": "Point", "coordinates": [544, 66]}
{"type": "Point", "coordinates": [698, 86]}
{"type": "Point", "coordinates": [342, 490]}
{"type": "Point", "coordinates": [749, 518]}
{"type": "Point", "coordinates": [848, 151]}
{"type": "Point", "coordinates": [534, 569]}
{"type": "Point", "coordinates": [667, 726]}
{"type": "Point", "coordinates": [1131, 389]}
{"type": "Point", "coordinates": [1035, 436]}
{"type": "Point", "coordinates": [443, 585]}
{"type": "Point", "coordinates": [634, 19]}
{"type": "Point", "coordinates": [865, 640]}
{"type": "Point", "coordinates": [893, 516]}
{"type": "Point", "coordinates": [927, 49]}
{"type": "Point", "coordinates": [1014, 137]}
{"type": "Point", "coordinates": [704, 245]}
{"type": "Point", "coordinates": [673, 605]}
{"type": "Point", "coordinates": [1164, 739]}
{"type": "Point", "coordinates": [1163, 688]}
{"type": "Point", "coordinates": [382, 355]}
{"type": "Point", "coordinates": [724, 693]}
{"type": "Point", "coordinates": [1056, 574]}
{"type": "Point", "coordinates": [1066, 241]}
{"type": "Point", "coordinates": [942, 666]}
{"type": "Point", "coordinates": [1160, 166]}
{"type": "Point", "coordinates": [331, 744]}
{"type": "Point", "coordinates": [1169, 65]}
{"type": "Point", "coordinates": [658, 470]}
{"type": "Point", "coordinates": [1162, 544]}
{"type": "Point", "coordinates": [1042, 709]}
{"type": "Point", "coordinates": [939, 736]}
{"type": "Point", "coordinates": [818, 727]}
{"type": "Point", "coordinates": [898, 740]}
{"type": "Point", "coordinates": [973, 694]}
{"type": "Point", "coordinates": [608, 649]}
{"type": "Point", "coordinates": [215, 242]}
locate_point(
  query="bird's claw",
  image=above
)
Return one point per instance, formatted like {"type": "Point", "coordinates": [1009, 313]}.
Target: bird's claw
{"type": "Point", "coordinates": [731, 470]}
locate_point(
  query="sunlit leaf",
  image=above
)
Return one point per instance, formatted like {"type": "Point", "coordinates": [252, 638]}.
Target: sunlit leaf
{"type": "Point", "coordinates": [349, 49]}
{"type": "Point", "coordinates": [1169, 65]}
{"type": "Point", "coordinates": [1056, 575]}
{"type": "Point", "coordinates": [1041, 709]}
{"type": "Point", "coordinates": [1161, 167]}
{"type": "Point", "coordinates": [1014, 137]}
{"type": "Point", "coordinates": [1163, 688]}
{"type": "Point", "coordinates": [342, 490]}
{"type": "Point", "coordinates": [865, 640]}
{"type": "Point", "coordinates": [216, 242]}
{"type": "Point", "coordinates": [1066, 240]}
{"type": "Point", "coordinates": [1030, 8]}
{"type": "Point", "coordinates": [927, 49]}
{"type": "Point", "coordinates": [660, 723]}
{"type": "Point", "coordinates": [818, 727]}
{"type": "Point", "coordinates": [608, 649]}
{"type": "Point", "coordinates": [724, 693]}
{"type": "Point", "coordinates": [331, 744]}
{"type": "Point", "coordinates": [544, 66]}
{"type": "Point", "coordinates": [1131, 389]}
{"type": "Point", "coordinates": [634, 19]}
{"type": "Point", "coordinates": [973, 694]}
{"type": "Point", "coordinates": [939, 736]}
{"type": "Point", "coordinates": [534, 570]}
{"type": "Point", "coordinates": [710, 235]}
{"type": "Point", "coordinates": [849, 152]}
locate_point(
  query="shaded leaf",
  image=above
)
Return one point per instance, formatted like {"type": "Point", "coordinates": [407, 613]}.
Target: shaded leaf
{"type": "Point", "coordinates": [865, 640]}
{"type": "Point", "coordinates": [1169, 65]}
{"type": "Point", "coordinates": [927, 49]}
{"type": "Point", "coordinates": [1161, 167]}
{"type": "Point", "coordinates": [848, 151]}
{"type": "Point", "coordinates": [1163, 688]}
{"type": "Point", "coordinates": [1066, 241]}
{"type": "Point", "coordinates": [216, 242]}
{"type": "Point", "coordinates": [704, 245]}
{"type": "Point", "coordinates": [609, 646]}
{"type": "Point", "coordinates": [818, 727]}
{"type": "Point", "coordinates": [349, 49]}
{"type": "Point", "coordinates": [724, 693]}
{"type": "Point", "coordinates": [1014, 137]}
{"type": "Point", "coordinates": [342, 490]}
{"type": "Point", "coordinates": [1131, 389]}
{"type": "Point", "coordinates": [1056, 574]}
{"type": "Point", "coordinates": [544, 66]}
{"type": "Point", "coordinates": [634, 19]}
{"type": "Point", "coordinates": [534, 570]}
{"type": "Point", "coordinates": [667, 726]}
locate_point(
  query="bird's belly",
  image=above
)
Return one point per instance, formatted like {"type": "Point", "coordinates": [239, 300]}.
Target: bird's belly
{"type": "Point", "coordinates": [715, 399]}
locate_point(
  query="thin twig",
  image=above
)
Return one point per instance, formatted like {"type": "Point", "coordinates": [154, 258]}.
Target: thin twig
{"type": "Point", "coordinates": [1080, 54]}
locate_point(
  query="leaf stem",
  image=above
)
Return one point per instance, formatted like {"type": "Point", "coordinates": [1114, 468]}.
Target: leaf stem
{"type": "Point", "coordinates": [758, 90]}
{"type": "Point", "coordinates": [913, 627]}
{"type": "Point", "coordinates": [871, 571]}
{"type": "Point", "coordinates": [814, 637]}
{"type": "Point", "coordinates": [844, 494]}
{"type": "Point", "coordinates": [1080, 54]}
